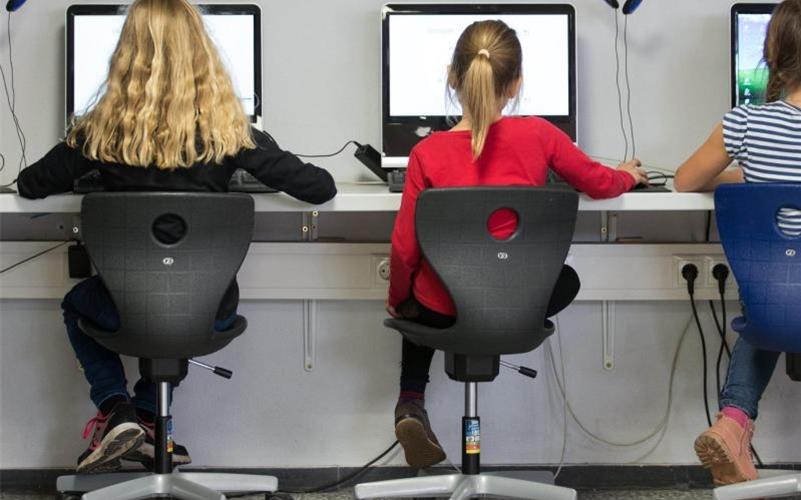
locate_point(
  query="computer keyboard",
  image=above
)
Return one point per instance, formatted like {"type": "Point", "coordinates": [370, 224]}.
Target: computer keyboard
{"type": "Point", "coordinates": [244, 182]}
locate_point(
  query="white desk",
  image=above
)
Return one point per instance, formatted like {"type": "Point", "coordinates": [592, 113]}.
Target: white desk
{"type": "Point", "coordinates": [376, 198]}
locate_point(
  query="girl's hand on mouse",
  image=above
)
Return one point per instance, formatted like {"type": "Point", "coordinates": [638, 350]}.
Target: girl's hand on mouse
{"type": "Point", "coordinates": [634, 169]}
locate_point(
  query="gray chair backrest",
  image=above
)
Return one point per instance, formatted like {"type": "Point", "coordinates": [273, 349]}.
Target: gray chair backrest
{"type": "Point", "coordinates": [167, 295]}
{"type": "Point", "coordinates": [501, 289]}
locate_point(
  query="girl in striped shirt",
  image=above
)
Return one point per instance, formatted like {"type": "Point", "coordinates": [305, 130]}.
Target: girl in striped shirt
{"type": "Point", "coordinates": [766, 142]}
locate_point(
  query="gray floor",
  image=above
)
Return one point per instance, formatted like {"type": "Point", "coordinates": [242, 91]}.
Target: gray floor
{"type": "Point", "coordinates": [603, 495]}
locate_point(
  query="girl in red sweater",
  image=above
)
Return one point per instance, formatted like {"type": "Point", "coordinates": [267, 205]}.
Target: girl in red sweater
{"type": "Point", "coordinates": [483, 149]}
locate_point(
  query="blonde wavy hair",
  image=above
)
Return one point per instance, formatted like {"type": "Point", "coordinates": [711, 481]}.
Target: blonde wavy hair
{"type": "Point", "coordinates": [168, 102]}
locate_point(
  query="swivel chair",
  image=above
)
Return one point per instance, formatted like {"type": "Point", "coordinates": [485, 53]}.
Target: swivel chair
{"type": "Point", "coordinates": [501, 290]}
{"type": "Point", "coordinates": [766, 263]}
{"type": "Point", "coordinates": [167, 260]}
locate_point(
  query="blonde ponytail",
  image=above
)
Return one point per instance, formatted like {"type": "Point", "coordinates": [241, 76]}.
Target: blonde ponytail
{"type": "Point", "coordinates": [478, 100]}
{"type": "Point", "coordinates": [487, 61]}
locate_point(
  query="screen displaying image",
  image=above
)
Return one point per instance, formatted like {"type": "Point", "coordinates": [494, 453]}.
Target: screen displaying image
{"type": "Point", "coordinates": [421, 47]}
{"type": "Point", "coordinates": [95, 38]}
{"type": "Point", "coordinates": [751, 71]}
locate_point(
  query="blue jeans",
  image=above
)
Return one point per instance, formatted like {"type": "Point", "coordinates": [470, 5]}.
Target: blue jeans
{"type": "Point", "coordinates": [750, 371]}
{"type": "Point", "coordinates": [103, 368]}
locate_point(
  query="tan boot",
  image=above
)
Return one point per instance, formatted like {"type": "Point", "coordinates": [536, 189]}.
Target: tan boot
{"type": "Point", "coordinates": [414, 433]}
{"type": "Point", "coordinates": [725, 449]}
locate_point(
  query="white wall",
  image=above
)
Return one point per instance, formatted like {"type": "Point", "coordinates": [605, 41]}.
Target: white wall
{"type": "Point", "coordinates": [322, 88]}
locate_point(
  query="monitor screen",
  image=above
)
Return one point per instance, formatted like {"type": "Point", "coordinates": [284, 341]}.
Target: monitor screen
{"type": "Point", "coordinates": [749, 71]}
{"type": "Point", "coordinates": [421, 47]}
{"type": "Point", "coordinates": [93, 32]}
{"type": "Point", "coordinates": [418, 44]}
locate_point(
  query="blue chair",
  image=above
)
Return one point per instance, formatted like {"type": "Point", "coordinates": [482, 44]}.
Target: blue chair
{"type": "Point", "coordinates": [766, 262]}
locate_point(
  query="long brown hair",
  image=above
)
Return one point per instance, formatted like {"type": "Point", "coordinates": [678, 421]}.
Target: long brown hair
{"type": "Point", "coordinates": [783, 50]}
{"type": "Point", "coordinates": [487, 61]}
{"type": "Point", "coordinates": [168, 101]}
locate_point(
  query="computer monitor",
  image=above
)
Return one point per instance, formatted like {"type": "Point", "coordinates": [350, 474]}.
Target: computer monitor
{"type": "Point", "coordinates": [93, 31]}
{"type": "Point", "coordinates": [749, 25]}
{"type": "Point", "coordinates": [418, 42]}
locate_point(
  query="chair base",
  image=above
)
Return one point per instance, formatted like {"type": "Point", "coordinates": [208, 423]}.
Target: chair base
{"type": "Point", "coordinates": [462, 487]}
{"type": "Point", "coordinates": [774, 484]}
{"type": "Point", "coordinates": [185, 486]}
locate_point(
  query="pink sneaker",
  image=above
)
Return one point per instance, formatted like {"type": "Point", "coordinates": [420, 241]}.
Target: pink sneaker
{"type": "Point", "coordinates": [725, 449]}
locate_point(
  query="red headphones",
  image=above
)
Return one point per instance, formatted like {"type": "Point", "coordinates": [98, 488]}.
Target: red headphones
{"type": "Point", "coordinates": [629, 7]}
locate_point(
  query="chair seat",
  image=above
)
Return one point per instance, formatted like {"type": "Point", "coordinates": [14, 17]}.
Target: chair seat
{"type": "Point", "coordinates": [463, 341]}
{"type": "Point", "coordinates": [165, 347]}
{"type": "Point", "coordinates": [781, 338]}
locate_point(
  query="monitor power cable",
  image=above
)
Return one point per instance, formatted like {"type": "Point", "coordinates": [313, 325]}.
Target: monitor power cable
{"type": "Point", "coordinates": [690, 274]}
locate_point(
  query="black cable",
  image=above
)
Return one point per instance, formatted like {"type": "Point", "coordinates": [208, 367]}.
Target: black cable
{"type": "Point", "coordinates": [11, 99]}
{"type": "Point", "coordinates": [690, 273]}
{"type": "Point", "coordinates": [724, 344]}
{"type": "Point", "coordinates": [708, 230]}
{"type": "Point", "coordinates": [617, 84]}
{"type": "Point", "coordinates": [332, 154]}
{"type": "Point", "coordinates": [9, 268]}
{"type": "Point", "coordinates": [703, 354]}
{"type": "Point", "coordinates": [345, 479]}
{"type": "Point", "coordinates": [628, 85]}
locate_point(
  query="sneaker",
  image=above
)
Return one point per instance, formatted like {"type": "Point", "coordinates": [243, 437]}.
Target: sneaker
{"type": "Point", "coordinates": [414, 433]}
{"type": "Point", "coordinates": [725, 449]}
{"type": "Point", "coordinates": [146, 452]}
{"type": "Point", "coordinates": [114, 435]}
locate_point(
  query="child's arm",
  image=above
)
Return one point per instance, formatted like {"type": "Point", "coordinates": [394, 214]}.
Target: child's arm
{"type": "Point", "coordinates": [284, 171]}
{"type": "Point", "coordinates": [406, 255]}
{"type": "Point", "coordinates": [53, 174]}
{"type": "Point", "coordinates": [706, 169]}
{"type": "Point", "coordinates": [589, 176]}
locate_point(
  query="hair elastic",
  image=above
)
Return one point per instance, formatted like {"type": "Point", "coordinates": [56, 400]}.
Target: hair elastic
{"type": "Point", "coordinates": [484, 52]}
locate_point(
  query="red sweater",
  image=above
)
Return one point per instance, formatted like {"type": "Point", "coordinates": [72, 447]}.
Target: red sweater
{"type": "Point", "coordinates": [518, 152]}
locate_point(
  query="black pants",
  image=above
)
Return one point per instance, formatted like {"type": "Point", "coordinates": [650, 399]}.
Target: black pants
{"type": "Point", "coordinates": [416, 359]}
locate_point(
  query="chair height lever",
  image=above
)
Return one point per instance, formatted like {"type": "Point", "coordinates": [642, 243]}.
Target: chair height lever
{"type": "Point", "coordinates": [522, 370]}
{"type": "Point", "coordinates": [217, 370]}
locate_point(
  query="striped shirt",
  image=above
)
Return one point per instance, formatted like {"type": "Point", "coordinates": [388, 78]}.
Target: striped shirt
{"type": "Point", "coordinates": [766, 141]}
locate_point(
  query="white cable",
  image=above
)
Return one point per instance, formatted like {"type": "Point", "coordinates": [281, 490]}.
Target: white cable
{"type": "Point", "coordinates": [617, 85]}
{"type": "Point", "coordinates": [661, 427]}
{"type": "Point", "coordinates": [564, 401]}
{"type": "Point", "coordinates": [628, 85]}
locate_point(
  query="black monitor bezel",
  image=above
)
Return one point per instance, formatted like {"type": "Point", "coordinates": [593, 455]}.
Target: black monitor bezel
{"type": "Point", "coordinates": [736, 10]}
{"type": "Point", "coordinates": [111, 9]}
{"type": "Point", "coordinates": [567, 123]}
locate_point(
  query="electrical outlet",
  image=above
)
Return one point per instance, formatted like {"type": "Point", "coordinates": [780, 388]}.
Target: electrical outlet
{"type": "Point", "coordinates": [381, 266]}
{"type": "Point", "coordinates": [710, 262]}
{"type": "Point", "coordinates": [683, 260]}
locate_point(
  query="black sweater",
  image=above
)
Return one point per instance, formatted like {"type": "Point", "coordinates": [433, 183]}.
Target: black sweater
{"type": "Point", "coordinates": [57, 171]}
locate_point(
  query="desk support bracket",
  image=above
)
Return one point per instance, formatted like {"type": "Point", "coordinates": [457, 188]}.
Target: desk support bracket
{"type": "Point", "coordinates": [608, 335]}
{"type": "Point", "coordinates": [310, 228]}
{"type": "Point", "coordinates": [309, 334]}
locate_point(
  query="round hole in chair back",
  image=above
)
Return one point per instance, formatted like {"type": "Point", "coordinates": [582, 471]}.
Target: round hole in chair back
{"type": "Point", "coordinates": [502, 223]}
{"type": "Point", "coordinates": [788, 219]}
{"type": "Point", "coordinates": [169, 229]}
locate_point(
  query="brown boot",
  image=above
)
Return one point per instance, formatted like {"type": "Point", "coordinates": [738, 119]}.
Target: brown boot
{"type": "Point", "coordinates": [725, 449]}
{"type": "Point", "coordinates": [414, 433]}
